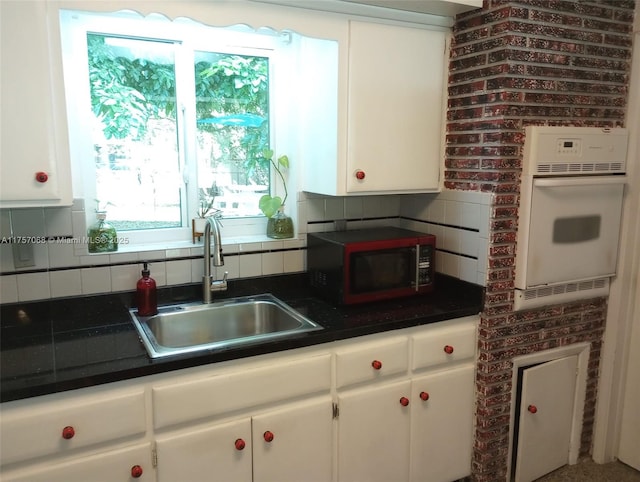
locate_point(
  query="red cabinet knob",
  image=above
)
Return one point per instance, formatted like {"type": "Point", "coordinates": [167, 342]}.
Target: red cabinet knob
{"type": "Point", "coordinates": [42, 176]}
{"type": "Point", "coordinates": [240, 444]}
{"type": "Point", "coordinates": [424, 396]}
{"type": "Point", "coordinates": [404, 401]}
{"type": "Point", "coordinates": [360, 175]}
{"type": "Point", "coordinates": [532, 408]}
{"type": "Point", "coordinates": [68, 432]}
{"type": "Point", "coordinates": [136, 471]}
{"type": "Point", "coordinates": [268, 436]}
{"type": "Point", "coordinates": [448, 349]}
{"type": "Point", "coordinates": [376, 364]}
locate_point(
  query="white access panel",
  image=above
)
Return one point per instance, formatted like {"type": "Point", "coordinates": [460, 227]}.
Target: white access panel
{"type": "Point", "coordinates": [546, 417]}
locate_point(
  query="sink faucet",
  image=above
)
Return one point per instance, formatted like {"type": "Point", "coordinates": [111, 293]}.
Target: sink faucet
{"type": "Point", "coordinates": [210, 285]}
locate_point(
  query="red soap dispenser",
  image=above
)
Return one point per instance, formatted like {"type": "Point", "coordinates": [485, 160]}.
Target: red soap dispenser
{"type": "Point", "coordinates": [146, 295]}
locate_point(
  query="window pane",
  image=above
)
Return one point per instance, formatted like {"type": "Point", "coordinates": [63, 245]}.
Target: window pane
{"type": "Point", "coordinates": [232, 113]}
{"type": "Point", "coordinates": [134, 132]}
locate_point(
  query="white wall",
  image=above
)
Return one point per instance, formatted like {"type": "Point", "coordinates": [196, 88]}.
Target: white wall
{"type": "Point", "coordinates": [622, 316]}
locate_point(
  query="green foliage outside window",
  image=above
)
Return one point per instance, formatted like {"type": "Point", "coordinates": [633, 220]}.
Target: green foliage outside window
{"type": "Point", "coordinates": [132, 97]}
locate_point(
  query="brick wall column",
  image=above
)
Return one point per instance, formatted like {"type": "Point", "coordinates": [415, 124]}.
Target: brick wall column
{"type": "Point", "coordinates": [513, 64]}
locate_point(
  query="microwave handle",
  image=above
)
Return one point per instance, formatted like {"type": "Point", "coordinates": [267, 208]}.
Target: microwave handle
{"type": "Point", "coordinates": [417, 280]}
{"type": "Point", "coordinates": [580, 181]}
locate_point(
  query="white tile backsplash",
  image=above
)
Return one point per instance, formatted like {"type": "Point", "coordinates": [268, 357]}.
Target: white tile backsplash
{"type": "Point", "coordinates": [158, 271]}
{"type": "Point", "coordinates": [353, 208]}
{"type": "Point", "coordinates": [33, 286]}
{"type": "Point", "coordinates": [178, 272]}
{"type": "Point", "coordinates": [95, 280]}
{"type": "Point", "coordinates": [28, 222]}
{"type": "Point", "coordinates": [124, 277]}
{"type": "Point", "coordinates": [197, 270]}
{"type": "Point", "coordinates": [62, 255]}
{"type": "Point", "coordinates": [231, 266]}
{"type": "Point", "coordinates": [294, 261]}
{"type": "Point", "coordinates": [58, 222]}
{"type": "Point", "coordinates": [436, 211]}
{"type": "Point", "coordinates": [250, 265]}
{"type": "Point", "coordinates": [122, 257]}
{"type": "Point", "coordinates": [5, 223]}
{"type": "Point", "coordinates": [9, 289]}
{"type": "Point", "coordinates": [334, 208]}
{"type": "Point", "coordinates": [315, 209]}
{"type": "Point", "coordinates": [249, 247]}
{"type": "Point", "coordinates": [6, 258]}
{"type": "Point", "coordinates": [65, 283]}
{"type": "Point", "coordinates": [442, 214]}
{"type": "Point", "coordinates": [94, 259]}
{"type": "Point", "coordinates": [468, 269]}
{"type": "Point", "coordinates": [273, 263]}
{"type": "Point", "coordinates": [460, 222]}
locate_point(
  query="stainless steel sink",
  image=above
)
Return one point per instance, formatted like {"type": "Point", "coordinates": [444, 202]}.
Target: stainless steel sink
{"type": "Point", "coordinates": [188, 328]}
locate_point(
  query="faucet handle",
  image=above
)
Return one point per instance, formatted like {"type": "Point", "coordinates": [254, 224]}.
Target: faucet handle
{"type": "Point", "coordinates": [219, 285]}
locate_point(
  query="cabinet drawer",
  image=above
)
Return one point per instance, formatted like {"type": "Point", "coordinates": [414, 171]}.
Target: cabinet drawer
{"type": "Point", "coordinates": [183, 402]}
{"type": "Point", "coordinates": [70, 423]}
{"type": "Point", "coordinates": [371, 361]}
{"type": "Point", "coordinates": [446, 344]}
{"type": "Point", "coordinates": [111, 466]}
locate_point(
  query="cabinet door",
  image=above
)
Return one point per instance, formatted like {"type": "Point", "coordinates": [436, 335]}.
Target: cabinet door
{"type": "Point", "coordinates": [442, 425]}
{"type": "Point", "coordinates": [373, 434]}
{"type": "Point", "coordinates": [121, 465]}
{"type": "Point", "coordinates": [395, 107]}
{"type": "Point", "coordinates": [546, 416]}
{"type": "Point", "coordinates": [223, 450]}
{"type": "Point", "coordinates": [294, 443]}
{"type": "Point", "coordinates": [33, 154]}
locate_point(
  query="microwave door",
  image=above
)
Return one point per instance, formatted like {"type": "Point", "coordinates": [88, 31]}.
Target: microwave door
{"type": "Point", "coordinates": [574, 228]}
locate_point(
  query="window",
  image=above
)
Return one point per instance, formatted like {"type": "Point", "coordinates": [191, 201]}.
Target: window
{"type": "Point", "coordinates": [169, 120]}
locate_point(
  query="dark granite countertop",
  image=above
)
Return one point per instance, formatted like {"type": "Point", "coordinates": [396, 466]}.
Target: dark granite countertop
{"type": "Point", "coordinates": [64, 344]}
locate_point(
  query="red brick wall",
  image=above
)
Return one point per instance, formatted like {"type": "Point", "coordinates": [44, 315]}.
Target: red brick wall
{"type": "Point", "coordinates": [513, 64]}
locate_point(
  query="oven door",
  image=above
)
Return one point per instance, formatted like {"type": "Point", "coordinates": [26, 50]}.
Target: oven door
{"type": "Point", "coordinates": [572, 230]}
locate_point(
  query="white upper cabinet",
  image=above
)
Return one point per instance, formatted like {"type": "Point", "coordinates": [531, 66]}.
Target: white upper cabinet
{"type": "Point", "coordinates": [394, 113]}
{"type": "Point", "coordinates": [34, 155]}
{"type": "Point", "coordinates": [395, 108]}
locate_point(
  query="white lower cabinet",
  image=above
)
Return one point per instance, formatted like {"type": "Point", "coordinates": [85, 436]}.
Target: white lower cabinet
{"type": "Point", "coordinates": [293, 443]}
{"type": "Point", "coordinates": [223, 449]}
{"type": "Point", "coordinates": [442, 425]}
{"type": "Point", "coordinates": [395, 406]}
{"type": "Point", "coordinates": [373, 433]}
{"type": "Point", "coordinates": [403, 425]}
{"type": "Point", "coordinates": [419, 429]}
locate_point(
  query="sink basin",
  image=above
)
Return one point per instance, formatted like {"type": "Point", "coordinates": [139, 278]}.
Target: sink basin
{"type": "Point", "coordinates": [188, 328]}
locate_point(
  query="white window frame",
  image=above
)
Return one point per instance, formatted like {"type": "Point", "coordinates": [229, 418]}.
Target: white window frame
{"type": "Point", "coordinates": [189, 35]}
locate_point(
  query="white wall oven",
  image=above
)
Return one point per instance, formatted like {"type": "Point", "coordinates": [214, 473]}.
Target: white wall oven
{"type": "Point", "coordinates": [570, 210]}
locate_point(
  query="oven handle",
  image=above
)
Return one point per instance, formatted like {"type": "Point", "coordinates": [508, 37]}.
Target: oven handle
{"type": "Point", "coordinates": [580, 181]}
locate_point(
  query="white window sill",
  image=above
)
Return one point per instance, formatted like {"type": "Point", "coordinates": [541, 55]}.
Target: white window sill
{"type": "Point", "coordinates": [235, 244]}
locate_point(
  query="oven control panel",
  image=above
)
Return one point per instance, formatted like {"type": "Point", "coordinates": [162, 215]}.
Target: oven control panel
{"type": "Point", "coordinates": [561, 150]}
{"type": "Point", "coordinates": [569, 147]}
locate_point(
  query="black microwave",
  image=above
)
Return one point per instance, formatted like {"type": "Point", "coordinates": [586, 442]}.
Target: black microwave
{"type": "Point", "coordinates": [358, 266]}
